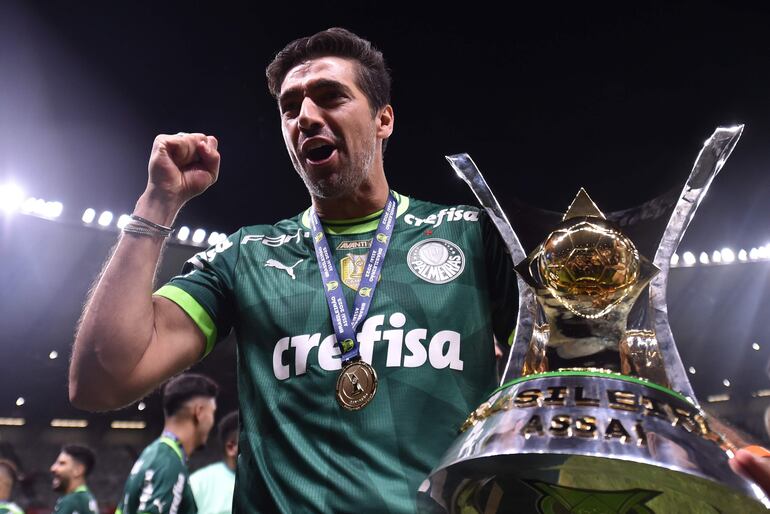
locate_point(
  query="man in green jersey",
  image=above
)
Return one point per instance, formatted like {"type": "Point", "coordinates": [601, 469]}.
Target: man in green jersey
{"type": "Point", "coordinates": [445, 289]}
{"type": "Point", "coordinates": [8, 474]}
{"type": "Point", "coordinates": [213, 485]}
{"type": "Point", "coordinates": [69, 471]}
{"type": "Point", "coordinates": [159, 480]}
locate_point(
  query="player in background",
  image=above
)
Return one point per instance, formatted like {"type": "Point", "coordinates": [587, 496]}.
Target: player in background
{"type": "Point", "coordinates": [213, 485]}
{"type": "Point", "coordinates": [159, 480]}
{"type": "Point", "coordinates": [8, 476]}
{"type": "Point", "coordinates": [70, 470]}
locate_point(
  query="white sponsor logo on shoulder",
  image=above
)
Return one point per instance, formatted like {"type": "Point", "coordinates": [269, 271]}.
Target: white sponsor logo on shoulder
{"type": "Point", "coordinates": [437, 261]}
{"type": "Point", "coordinates": [210, 254]}
{"type": "Point", "coordinates": [451, 214]}
{"type": "Point", "coordinates": [274, 241]}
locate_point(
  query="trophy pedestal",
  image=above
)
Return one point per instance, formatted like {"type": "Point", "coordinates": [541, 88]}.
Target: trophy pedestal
{"type": "Point", "coordinates": [587, 441]}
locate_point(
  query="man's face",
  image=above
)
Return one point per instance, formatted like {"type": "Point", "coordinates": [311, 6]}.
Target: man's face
{"type": "Point", "coordinates": [63, 469]}
{"type": "Point", "coordinates": [205, 414]}
{"type": "Point", "coordinates": [328, 126]}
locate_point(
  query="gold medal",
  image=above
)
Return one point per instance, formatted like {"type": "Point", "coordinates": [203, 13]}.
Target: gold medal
{"type": "Point", "coordinates": [356, 385]}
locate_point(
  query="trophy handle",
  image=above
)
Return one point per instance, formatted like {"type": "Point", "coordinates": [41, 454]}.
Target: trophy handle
{"type": "Point", "coordinates": [467, 170]}
{"type": "Point", "coordinates": [709, 162]}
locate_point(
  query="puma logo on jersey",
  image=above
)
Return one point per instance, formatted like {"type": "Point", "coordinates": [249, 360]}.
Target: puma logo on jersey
{"type": "Point", "coordinates": [405, 349]}
{"type": "Point", "coordinates": [272, 263]}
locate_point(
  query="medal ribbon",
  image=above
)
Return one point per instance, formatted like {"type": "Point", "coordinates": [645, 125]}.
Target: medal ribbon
{"type": "Point", "coordinates": [344, 325]}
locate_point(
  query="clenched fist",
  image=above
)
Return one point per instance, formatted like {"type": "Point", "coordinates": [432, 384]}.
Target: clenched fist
{"type": "Point", "coordinates": [181, 167]}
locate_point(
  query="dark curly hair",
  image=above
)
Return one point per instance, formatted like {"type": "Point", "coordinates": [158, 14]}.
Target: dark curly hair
{"type": "Point", "coordinates": [373, 76]}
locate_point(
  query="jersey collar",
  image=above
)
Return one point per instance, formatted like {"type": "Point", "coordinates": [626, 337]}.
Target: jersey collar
{"type": "Point", "coordinates": [170, 439]}
{"type": "Point", "coordinates": [360, 225]}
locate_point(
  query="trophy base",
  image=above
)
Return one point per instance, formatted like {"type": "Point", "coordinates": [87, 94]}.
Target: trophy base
{"type": "Point", "coordinates": [587, 442]}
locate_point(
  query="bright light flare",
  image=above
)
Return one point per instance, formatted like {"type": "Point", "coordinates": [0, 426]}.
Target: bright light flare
{"type": "Point", "coordinates": [688, 258]}
{"type": "Point", "coordinates": [89, 215]}
{"type": "Point", "coordinates": [675, 259]}
{"type": "Point", "coordinates": [728, 256]}
{"type": "Point", "coordinates": [183, 233]}
{"type": "Point", "coordinates": [703, 258]}
{"type": "Point", "coordinates": [123, 220]}
{"type": "Point", "coordinates": [743, 256]}
{"type": "Point", "coordinates": [199, 236]}
{"type": "Point", "coordinates": [105, 218]}
{"type": "Point", "coordinates": [11, 197]}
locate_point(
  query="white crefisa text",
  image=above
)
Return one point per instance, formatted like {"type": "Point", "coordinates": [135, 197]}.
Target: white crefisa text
{"type": "Point", "coordinates": [408, 349]}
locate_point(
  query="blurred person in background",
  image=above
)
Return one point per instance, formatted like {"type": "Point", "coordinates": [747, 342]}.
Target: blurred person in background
{"type": "Point", "coordinates": [8, 476]}
{"type": "Point", "coordinates": [69, 470]}
{"type": "Point", "coordinates": [213, 485]}
{"type": "Point", "coordinates": [159, 481]}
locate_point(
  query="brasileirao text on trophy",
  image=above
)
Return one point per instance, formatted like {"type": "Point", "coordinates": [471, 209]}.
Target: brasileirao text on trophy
{"type": "Point", "coordinates": [595, 412]}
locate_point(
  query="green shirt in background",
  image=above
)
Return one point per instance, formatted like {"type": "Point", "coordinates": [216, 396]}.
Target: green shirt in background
{"type": "Point", "coordinates": [213, 487]}
{"type": "Point", "coordinates": [10, 508]}
{"type": "Point", "coordinates": [79, 501]}
{"type": "Point", "coordinates": [158, 482]}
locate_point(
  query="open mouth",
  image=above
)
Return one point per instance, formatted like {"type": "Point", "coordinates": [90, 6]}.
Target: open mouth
{"type": "Point", "coordinates": [320, 154]}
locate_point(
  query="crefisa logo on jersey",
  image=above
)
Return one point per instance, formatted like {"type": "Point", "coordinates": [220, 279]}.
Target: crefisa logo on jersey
{"type": "Point", "coordinates": [437, 261]}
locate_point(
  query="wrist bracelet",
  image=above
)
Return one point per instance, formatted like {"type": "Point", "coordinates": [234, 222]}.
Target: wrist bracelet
{"type": "Point", "coordinates": [160, 228]}
{"type": "Point", "coordinates": [135, 227]}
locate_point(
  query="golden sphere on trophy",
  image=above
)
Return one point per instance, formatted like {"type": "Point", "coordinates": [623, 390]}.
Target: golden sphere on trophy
{"type": "Point", "coordinates": [588, 266]}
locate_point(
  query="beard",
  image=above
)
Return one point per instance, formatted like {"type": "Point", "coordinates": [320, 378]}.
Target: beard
{"type": "Point", "coordinates": [344, 180]}
{"type": "Point", "coordinates": [60, 484]}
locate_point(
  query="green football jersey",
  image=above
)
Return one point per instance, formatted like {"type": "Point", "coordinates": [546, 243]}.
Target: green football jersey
{"type": "Point", "coordinates": [158, 482]}
{"type": "Point", "coordinates": [446, 286]}
{"type": "Point", "coordinates": [79, 501]}
{"type": "Point", "coordinates": [10, 508]}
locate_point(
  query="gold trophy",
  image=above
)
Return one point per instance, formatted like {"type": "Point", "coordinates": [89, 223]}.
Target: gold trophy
{"type": "Point", "coordinates": [595, 413]}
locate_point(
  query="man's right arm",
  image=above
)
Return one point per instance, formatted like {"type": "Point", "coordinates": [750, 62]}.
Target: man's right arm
{"type": "Point", "coordinates": [129, 341]}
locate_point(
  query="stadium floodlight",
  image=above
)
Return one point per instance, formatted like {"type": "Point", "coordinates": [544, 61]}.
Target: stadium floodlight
{"type": "Point", "coordinates": [716, 256]}
{"type": "Point", "coordinates": [183, 233]}
{"type": "Point", "coordinates": [703, 258]}
{"type": "Point", "coordinates": [213, 238]}
{"type": "Point", "coordinates": [12, 422]}
{"type": "Point", "coordinates": [123, 220]}
{"type": "Point", "coordinates": [141, 406]}
{"type": "Point", "coordinates": [755, 346]}
{"type": "Point", "coordinates": [726, 383]}
{"type": "Point", "coordinates": [105, 218]}
{"type": "Point", "coordinates": [754, 254]}
{"type": "Point", "coordinates": [20, 401]}
{"type": "Point", "coordinates": [89, 215]}
{"type": "Point", "coordinates": [11, 197]}
{"type": "Point", "coordinates": [128, 425]}
{"type": "Point", "coordinates": [53, 355]}
{"type": "Point", "coordinates": [691, 370]}
{"type": "Point", "coordinates": [764, 252]}
{"type": "Point", "coordinates": [69, 423]}
{"type": "Point", "coordinates": [53, 209]}
{"type": "Point", "coordinates": [29, 205]}
{"type": "Point", "coordinates": [718, 398]}
{"type": "Point", "coordinates": [728, 255]}
{"type": "Point", "coordinates": [675, 259]}
{"type": "Point", "coordinates": [688, 258]}
{"type": "Point", "coordinates": [743, 256]}
{"type": "Point", "coordinates": [199, 236]}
